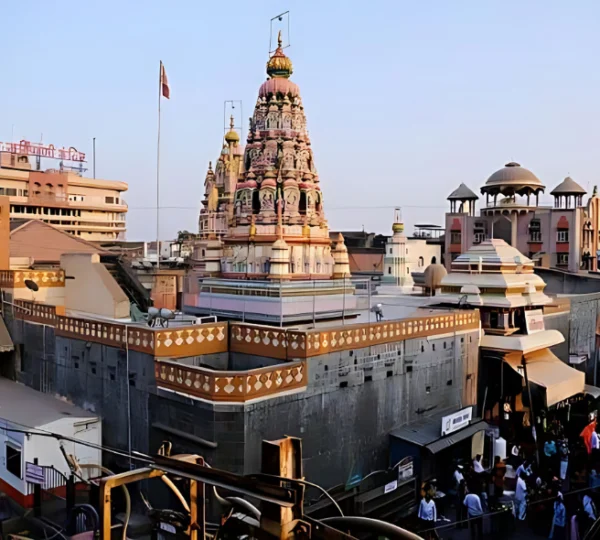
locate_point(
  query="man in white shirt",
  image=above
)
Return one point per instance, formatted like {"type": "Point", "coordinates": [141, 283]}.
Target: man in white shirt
{"type": "Point", "coordinates": [427, 512]}
{"type": "Point", "coordinates": [458, 476]}
{"type": "Point", "coordinates": [474, 513]}
{"type": "Point", "coordinates": [477, 466]}
{"type": "Point", "coordinates": [521, 496]}
{"type": "Point", "coordinates": [525, 467]}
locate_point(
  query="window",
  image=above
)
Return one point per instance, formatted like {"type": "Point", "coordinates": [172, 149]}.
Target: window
{"type": "Point", "coordinates": [562, 235]}
{"type": "Point", "coordinates": [479, 237]}
{"type": "Point", "coordinates": [109, 200]}
{"type": "Point", "coordinates": [11, 192]}
{"type": "Point", "coordinates": [407, 270]}
{"type": "Point", "coordinates": [13, 460]}
{"type": "Point", "coordinates": [389, 269]}
{"type": "Point", "coordinates": [421, 262]}
{"type": "Point", "coordinates": [390, 251]}
{"type": "Point", "coordinates": [562, 259]}
{"type": "Point", "coordinates": [455, 237]}
{"type": "Point", "coordinates": [1, 191]}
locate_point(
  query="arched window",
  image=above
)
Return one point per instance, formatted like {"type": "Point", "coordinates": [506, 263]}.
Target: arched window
{"type": "Point", "coordinates": [433, 260]}
{"type": "Point", "coordinates": [421, 262]}
{"type": "Point", "coordinates": [302, 204]}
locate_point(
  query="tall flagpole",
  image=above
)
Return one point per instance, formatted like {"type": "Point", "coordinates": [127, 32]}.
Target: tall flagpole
{"type": "Point", "coordinates": [160, 80]}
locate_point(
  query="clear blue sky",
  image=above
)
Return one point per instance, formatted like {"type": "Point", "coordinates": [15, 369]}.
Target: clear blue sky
{"type": "Point", "coordinates": [404, 100]}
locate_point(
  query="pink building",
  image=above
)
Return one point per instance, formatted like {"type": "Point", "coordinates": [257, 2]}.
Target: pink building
{"type": "Point", "coordinates": [565, 236]}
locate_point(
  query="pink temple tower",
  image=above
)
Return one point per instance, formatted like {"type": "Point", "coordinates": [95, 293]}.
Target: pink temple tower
{"type": "Point", "coordinates": [278, 168]}
{"type": "Point", "coordinates": [262, 218]}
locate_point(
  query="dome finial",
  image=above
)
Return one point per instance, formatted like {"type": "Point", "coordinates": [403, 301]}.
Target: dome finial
{"type": "Point", "coordinates": [231, 122]}
{"type": "Point", "coordinates": [279, 65]}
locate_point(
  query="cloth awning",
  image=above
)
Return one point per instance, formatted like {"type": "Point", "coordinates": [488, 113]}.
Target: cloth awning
{"type": "Point", "coordinates": [548, 371]}
{"type": "Point", "coordinates": [593, 391]}
{"type": "Point", "coordinates": [426, 433]}
{"type": "Point", "coordinates": [6, 343]}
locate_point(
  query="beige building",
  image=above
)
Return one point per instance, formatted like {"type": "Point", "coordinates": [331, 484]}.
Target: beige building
{"type": "Point", "coordinates": [84, 207]}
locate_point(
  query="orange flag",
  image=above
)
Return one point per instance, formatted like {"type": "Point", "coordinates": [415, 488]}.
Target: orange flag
{"type": "Point", "coordinates": [165, 89]}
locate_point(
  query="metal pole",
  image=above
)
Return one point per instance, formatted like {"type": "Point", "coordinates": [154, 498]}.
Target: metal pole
{"type": "Point", "coordinates": [128, 394]}
{"type": "Point", "coordinates": [534, 431]}
{"type": "Point", "coordinates": [344, 301]}
{"type": "Point", "coordinates": [369, 285]}
{"type": "Point", "coordinates": [280, 306]}
{"type": "Point", "coordinates": [158, 172]}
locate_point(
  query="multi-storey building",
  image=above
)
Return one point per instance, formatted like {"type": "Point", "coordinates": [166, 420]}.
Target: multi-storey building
{"type": "Point", "coordinates": [85, 207]}
{"type": "Point", "coordinates": [566, 236]}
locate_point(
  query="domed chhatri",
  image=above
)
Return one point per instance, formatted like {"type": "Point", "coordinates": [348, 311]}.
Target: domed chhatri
{"type": "Point", "coordinates": [513, 179]}
{"type": "Point", "coordinates": [279, 65]}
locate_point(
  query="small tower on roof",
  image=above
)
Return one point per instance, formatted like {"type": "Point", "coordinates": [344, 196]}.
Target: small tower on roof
{"type": "Point", "coordinates": [341, 263]}
{"type": "Point", "coordinates": [466, 199]}
{"type": "Point", "coordinates": [568, 194]}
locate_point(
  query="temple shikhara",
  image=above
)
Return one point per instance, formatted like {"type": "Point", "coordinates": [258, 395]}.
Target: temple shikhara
{"type": "Point", "coordinates": [262, 217]}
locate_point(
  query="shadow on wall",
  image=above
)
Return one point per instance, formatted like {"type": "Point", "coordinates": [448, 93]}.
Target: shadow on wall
{"type": "Point", "coordinates": [559, 282]}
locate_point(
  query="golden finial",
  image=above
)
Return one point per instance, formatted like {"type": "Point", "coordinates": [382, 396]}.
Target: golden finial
{"type": "Point", "coordinates": [279, 65]}
{"type": "Point", "coordinates": [231, 122]}
{"type": "Point", "coordinates": [231, 136]}
{"type": "Point", "coordinates": [210, 165]}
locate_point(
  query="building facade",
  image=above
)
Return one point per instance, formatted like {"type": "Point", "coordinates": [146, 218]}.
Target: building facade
{"type": "Point", "coordinates": [565, 236]}
{"type": "Point", "coordinates": [84, 207]}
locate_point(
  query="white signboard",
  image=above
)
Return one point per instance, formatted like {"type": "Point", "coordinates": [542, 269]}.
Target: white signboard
{"type": "Point", "coordinates": [534, 321]}
{"type": "Point", "coordinates": [34, 474]}
{"type": "Point", "coordinates": [391, 486]}
{"type": "Point", "coordinates": [405, 469]}
{"type": "Point", "coordinates": [456, 421]}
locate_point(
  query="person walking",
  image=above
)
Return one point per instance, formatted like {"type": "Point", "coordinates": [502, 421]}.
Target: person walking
{"type": "Point", "coordinates": [559, 520]}
{"type": "Point", "coordinates": [521, 497]}
{"type": "Point", "coordinates": [563, 452]}
{"type": "Point", "coordinates": [475, 515]}
{"type": "Point", "coordinates": [427, 514]}
{"type": "Point", "coordinates": [477, 466]}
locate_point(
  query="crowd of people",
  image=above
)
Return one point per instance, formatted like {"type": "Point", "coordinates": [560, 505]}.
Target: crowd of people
{"type": "Point", "coordinates": [551, 490]}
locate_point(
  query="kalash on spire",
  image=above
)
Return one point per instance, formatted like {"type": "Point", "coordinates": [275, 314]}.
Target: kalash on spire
{"type": "Point", "coordinates": [264, 206]}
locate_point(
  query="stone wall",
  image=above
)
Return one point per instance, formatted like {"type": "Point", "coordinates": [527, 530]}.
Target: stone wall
{"type": "Point", "coordinates": [354, 398]}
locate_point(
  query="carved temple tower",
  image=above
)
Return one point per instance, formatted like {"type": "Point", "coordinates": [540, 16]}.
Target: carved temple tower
{"type": "Point", "coordinates": [262, 216]}
{"type": "Point", "coordinates": [278, 168]}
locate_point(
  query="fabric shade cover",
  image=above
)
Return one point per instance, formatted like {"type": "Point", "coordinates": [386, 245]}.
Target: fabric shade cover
{"type": "Point", "coordinates": [548, 371]}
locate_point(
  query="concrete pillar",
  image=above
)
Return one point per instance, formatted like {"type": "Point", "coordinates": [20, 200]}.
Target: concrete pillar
{"type": "Point", "coordinates": [513, 229]}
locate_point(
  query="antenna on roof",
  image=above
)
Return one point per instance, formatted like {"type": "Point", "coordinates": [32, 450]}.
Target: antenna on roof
{"type": "Point", "coordinates": [230, 110]}
{"type": "Point", "coordinates": [281, 24]}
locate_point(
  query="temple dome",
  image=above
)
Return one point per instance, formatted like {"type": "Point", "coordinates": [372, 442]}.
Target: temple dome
{"type": "Point", "coordinates": [568, 187]}
{"type": "Point", "coordinates": [511, 179]}
{"type": "Point", "coordinates": [433, 276]}
{"type": "Point", "coordinates": [279, 65]}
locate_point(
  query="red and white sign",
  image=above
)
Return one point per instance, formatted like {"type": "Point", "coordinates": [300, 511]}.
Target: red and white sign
{"type": "Point", "coordinates": [38, 149]}
{"type": "Point", "coordinates": [534, 321]}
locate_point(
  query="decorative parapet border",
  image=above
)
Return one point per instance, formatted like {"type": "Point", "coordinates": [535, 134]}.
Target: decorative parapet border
{"type": "Point", "coordinates": [231, 386]}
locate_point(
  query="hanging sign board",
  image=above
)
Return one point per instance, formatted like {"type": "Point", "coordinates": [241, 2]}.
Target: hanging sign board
{"type": "Point", "coordinates": [391, 486]}
{"type": "Point", "coordinates": [457, 421]}
{"type": "Point", "coordinates": [534, 321]}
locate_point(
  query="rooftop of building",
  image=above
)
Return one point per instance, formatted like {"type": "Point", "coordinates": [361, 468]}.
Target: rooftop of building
{"type": "Point", "coordinates": [27, 407]}
{"type": "Point", "coordinates": [513, 178]}
{"type": "Point", "coordinates": [568, 187]}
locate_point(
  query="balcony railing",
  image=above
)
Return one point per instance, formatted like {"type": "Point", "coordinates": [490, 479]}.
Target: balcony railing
{"type": "Point", "coordinates": [231, 386]}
